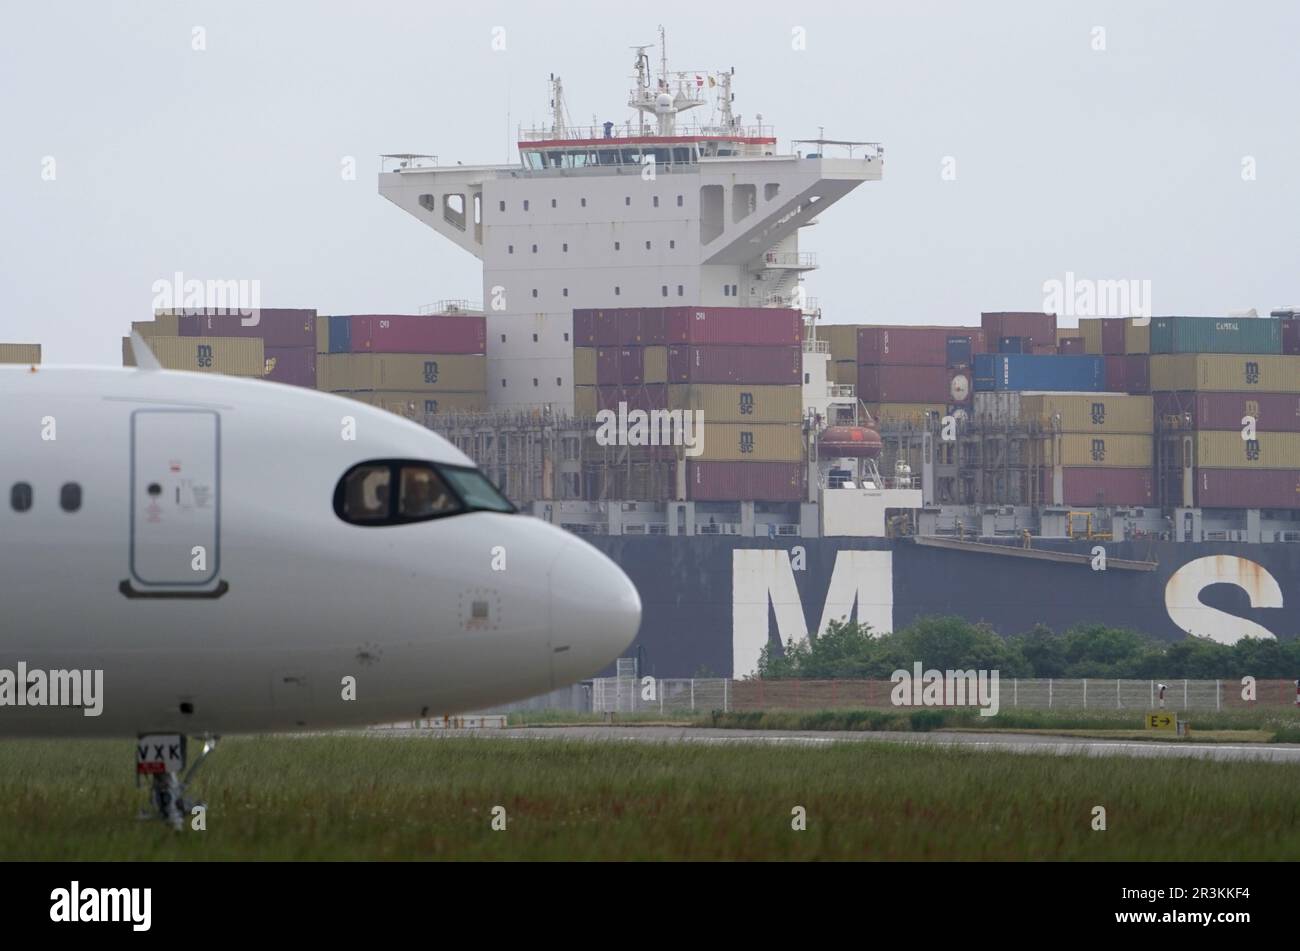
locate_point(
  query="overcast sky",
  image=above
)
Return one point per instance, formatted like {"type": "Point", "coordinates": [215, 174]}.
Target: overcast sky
{"type": "Point", "coordinates": [225, 162]}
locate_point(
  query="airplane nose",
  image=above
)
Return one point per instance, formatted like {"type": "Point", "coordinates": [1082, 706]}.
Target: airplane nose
{"type": "Point", "coordinates": [595, 612]}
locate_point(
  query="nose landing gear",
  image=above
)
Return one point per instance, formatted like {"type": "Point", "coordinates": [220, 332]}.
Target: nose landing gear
{"type": "Point", "coordinates": [162, 758]}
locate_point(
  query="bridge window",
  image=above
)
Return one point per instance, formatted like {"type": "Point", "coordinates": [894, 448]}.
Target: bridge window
{"type": "Point", "coordinates": [20, 496]}
{"type": "Point", "coordinates": [70, 497]}
{"type": "Point", "coordinates": [664, 289]}
{"type": "Point", "coordinates": [525, 204]}
{"type": "Point", "coordinates": [656, 201]}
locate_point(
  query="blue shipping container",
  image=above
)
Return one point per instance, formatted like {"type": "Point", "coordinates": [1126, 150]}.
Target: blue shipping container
{"type": "Point", "coordinates": [959, 351]}
{"type": "Point", "coordinates": [340, 335]}
{"type": "Point", "coordinates": [1050, 372]}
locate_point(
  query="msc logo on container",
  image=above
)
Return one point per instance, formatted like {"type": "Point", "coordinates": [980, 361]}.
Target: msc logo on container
{"type": "Point", "coordinates": [430, 371]}
{"type": "Point", "coordinates": [746, 404]}
{"type": "Point", "coordinates": [1252, 450]}
{"type": "Point", "coordinates": [1099, 414]}
{"type": "Point", "coordinates": [1099, 450]}
{"type": "Point", "coordinates": [1252, 372]}
{"type": "Point", "coordinates": [746, 442]}
{"type": "Point", "coordinates": [203, 357]}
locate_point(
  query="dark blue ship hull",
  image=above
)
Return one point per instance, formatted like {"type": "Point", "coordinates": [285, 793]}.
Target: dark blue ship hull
{"type": "Point", "coordinates": [710, 603]}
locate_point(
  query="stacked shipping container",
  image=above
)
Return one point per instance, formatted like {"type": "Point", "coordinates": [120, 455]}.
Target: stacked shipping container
{"type": "Point", "coordinates": [905, 373]}
{"type": "Point", "coordinates": [278, 345]}
{"type": "Point", "coordinates": [1104, 449]}
{"type": "Point", "coordinates": [740, 368]}
{"type": "Point", "coordinates": [413, 365]}
{"type": "Point", "coordinates": [1227, 402]}
{"type": "Point", "coordinates": [29, 353]}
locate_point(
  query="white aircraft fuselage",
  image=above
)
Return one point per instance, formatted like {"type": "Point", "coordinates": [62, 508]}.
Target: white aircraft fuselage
{"type": "Point", "coordinates": [181, 533]}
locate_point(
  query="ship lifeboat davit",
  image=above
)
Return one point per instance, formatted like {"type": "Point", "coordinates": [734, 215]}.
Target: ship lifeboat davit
{"type": "Point", "coordinates": [849, 442]}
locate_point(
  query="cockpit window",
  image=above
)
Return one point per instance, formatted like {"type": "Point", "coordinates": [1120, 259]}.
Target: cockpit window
{"type": "Point", "coordinates": [478, 493]}
{"type": "Point", "coordinates": [396, 491]}
{"type": "Point", "coordinates": [365, 494]}
{"type": "Point", "coordinates": [425, 494]}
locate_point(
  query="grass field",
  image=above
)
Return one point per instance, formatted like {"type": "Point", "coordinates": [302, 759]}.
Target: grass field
{"type": "Point", "coordinates": [347, 797]}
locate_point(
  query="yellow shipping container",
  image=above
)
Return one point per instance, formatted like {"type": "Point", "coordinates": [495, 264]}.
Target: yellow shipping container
{"type": "Point", "coordinates": [1090, 331]}
{"type": "Point", "coordinates": [163, 325]}
{"type": "Point", "coordinates": [28, 353]}
{"type": "Point", "coordinates": [322, 335]}
{"type": "Point", "coordinates": [656, 364]}
{"type": "Point", "coordinates": [905, 412]}
{"type": "Point", "coordinates": [1123, 451]}
{"type": "Point", "coordinates": [844, 372]}
{"type": "Point", "coordinates": [418, 405]}
{"type": "Point", "coordinates": [1091, 412]}
{"type": "Point", "coordinates": [584, 366]}
{"type": "Point", "coordinates": [584, 400]}
{"type": "Point", "coordinates": [844, 343]}
{"type": "Point", "coordinates": [1137, 337]}
{"type": "Point", "coordinates": [233, 356]}
{"type": "Point", "coordinates": [745, 442]}
{"type": "Point", "coordinates": [725, 402]}
{"type": "Point", "coordinates": [402, 371]}
{"type": "Point", "coordinates": [1225, 372]}
{"type": "Point", "coordinates": [1226, 449]}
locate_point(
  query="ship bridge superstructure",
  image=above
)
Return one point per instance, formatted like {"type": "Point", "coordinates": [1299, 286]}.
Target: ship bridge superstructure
{"type": "Point", "coordinates": [655, 211]}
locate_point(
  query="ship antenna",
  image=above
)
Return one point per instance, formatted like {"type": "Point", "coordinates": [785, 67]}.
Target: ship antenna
{"type": "Point", "coordinates": [663, 57]}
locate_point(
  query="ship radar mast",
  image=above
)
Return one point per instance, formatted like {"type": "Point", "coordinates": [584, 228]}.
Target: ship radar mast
{"type": "Point", "coordinates": [673, 93]}
{"type": "Point", "coordinates": [559, 115]}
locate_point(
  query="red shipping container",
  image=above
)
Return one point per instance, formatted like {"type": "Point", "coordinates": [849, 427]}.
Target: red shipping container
{"type": "Point", "coordinates": [750, 326]}
{"type": "Point", "coordinates": [654, 327]}
{"type": "Point", "coordinates": [746, 481]}
{"type": "Point", "coordinates": [278, 327]}
{"type": "Point", "coordinates": [584, 327]}
{"type": "Point", "coordinates": [418, 333]}
{"type": "Point", "coordinates": [631, 366]}
{"type": "Point", "coordinates": [1128, 374]}
{"type": "Point", "coordinates": [607, 327]}
{"type": "Point", "coordinates": [906, 384]}
{"type": "Point", "coordinates": [909, 346]}
{"type": "Point", "coordinates": [293, 365]}
{"type": "Point", "coordinates": [1245, 488]}
{"type": "Point", "coordinates": [1112, 335]}
{"type": "Point", "coordinates": [1070, 345]}
{"type": "Point", "coordinates": [1291, 336]}
{"type": "Point", "coordinates": [607, 366]}
{"type": "Point", "coordinates": [1273, 412]}
{"type": "Point", "coordinates": [652, 396]}
{"type": "Point", "coordinates": [629, 326]}
{"type": "Point", "coordinates": [735, 364]}
{"type": "Point", "coordinates": [1041, 328]}
{"type": "Point", "coordinates": [1102, 485]}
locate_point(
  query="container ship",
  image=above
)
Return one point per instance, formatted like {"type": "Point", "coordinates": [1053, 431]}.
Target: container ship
{"type": "Point", "coordinates": [646, 369]}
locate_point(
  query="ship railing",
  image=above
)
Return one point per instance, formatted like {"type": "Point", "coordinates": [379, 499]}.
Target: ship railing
{"type": "Point", "coordinates": [790, 259]}
{"type": "Point", "coordinates": [406, 160]}
{"type": "Point", "coordinates": [718, 528]}
{"type": "Point", "coordinates": [453, 305]}
{"type": "Point", "coordinates": [618, 132]}
{"type": "Point", "coordinates": [816, 346]}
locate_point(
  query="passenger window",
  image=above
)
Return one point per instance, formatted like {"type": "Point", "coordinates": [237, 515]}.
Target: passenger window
{"type": "Point", "coordinates": [365, 494]}
{"type": "Point", "coordinates": [70, 497]}
{"type": "Point", "coordinates": [20, 496]}
{"type": "Point", "coordinates": [424, 494]}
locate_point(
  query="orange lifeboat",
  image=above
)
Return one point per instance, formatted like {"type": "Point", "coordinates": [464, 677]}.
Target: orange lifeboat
{"type": "Point", "coordinates": [853, 442]}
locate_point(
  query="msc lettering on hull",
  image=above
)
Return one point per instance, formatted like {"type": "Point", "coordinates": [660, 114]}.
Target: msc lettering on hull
{"type": "Point", "coordinates": [1183, 597]}
{"type": "Point", "coordinates": [764, 577]}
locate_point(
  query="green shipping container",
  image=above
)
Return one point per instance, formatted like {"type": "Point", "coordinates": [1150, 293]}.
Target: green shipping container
{"type": "Point", "coordinates": [1216, 335]}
